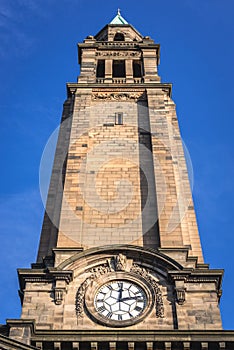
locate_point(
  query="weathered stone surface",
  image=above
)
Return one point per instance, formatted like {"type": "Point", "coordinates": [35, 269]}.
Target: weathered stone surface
{"type": "Point", "coordinates": [120, 208]}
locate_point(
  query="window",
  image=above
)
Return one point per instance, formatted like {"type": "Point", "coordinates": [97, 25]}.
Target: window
{"type": "Point", "coordinates": [48, 345]}
{"type": "Point", "coordinates": [118, 69]}
{"type": "Point", "coordinates": [84, 345]}
{"type": "Point", "coordinates": [119, 118]}
{"type": "Point", "coordinates": [66, 345]}
{"type": "Point", "coordinates": [121, 345]}
{"type": "Point", "coordinates": [140, 346]}
{"type": "Point", "coordinates": [137, 69]}
{"type": "Point", "coordinates": [119, 37]}
{"type": "Point", "coordinates": [101, 69]}
{"type": "Point", "coordinates": [103, 346]}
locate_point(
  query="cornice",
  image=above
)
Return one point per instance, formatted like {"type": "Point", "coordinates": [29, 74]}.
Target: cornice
{"type": "Point", "coordinates": [13, 344]}
{"type": "Point", "coordinates": [130, 45]}
{"type": "Point", "coordinates": [130, 251]}
{"type": "Point", "coordinates": [124, 334]}
{"type": "Point", "coordinates": [199, 276]}
{"type": "Point", "coordinates": [72, 87]}
{"type": "Point", "coordinates": [43, 275]}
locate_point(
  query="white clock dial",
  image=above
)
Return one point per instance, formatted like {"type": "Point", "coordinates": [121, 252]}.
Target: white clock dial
{"type": "Point", "coordinates": [120, 300]}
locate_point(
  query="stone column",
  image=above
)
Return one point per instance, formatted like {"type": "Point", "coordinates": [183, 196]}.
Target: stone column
{"type": "Point", "coordinates": [94, 345]}
{"type": "Point", "coordinates": [149, 345]}
{"type": "Point", "coordinates": [167, 345]}
{"type": "Point", "coordinates": [57, 346]}
{"type": "Point", "coordinates": [108, 71]}
{"type": "Point", "coordinates": [88, 66]}
{"type": "Point", "coordinates": [222, 345]}
{"type": "Point", "coordinates": [186, 345]}
{"type": "Point", "coordinates": [150, 66]}
{"type": "Point", "coordinates": [75, 346]}
{"type": "Point", "coordinates": [129, 71]}
{"type": "Point", "coordinates": [112, 346]}
{"type": "Point", "coordinates": [130, 345]}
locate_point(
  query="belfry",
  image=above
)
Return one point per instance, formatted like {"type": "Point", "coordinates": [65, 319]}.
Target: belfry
{"type": "Point", "coordinates": [120, 264]}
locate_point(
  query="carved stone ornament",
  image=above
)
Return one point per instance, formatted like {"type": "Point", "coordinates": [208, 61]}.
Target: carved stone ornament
{"type": "Point", "coordinates": [180, 295]}
{"type": "Point", "coordinates": [124, 96]}
{"type": "Point", "coordinates": [95, 273]}
{"type": "Point", "coordinates": [120, 262]}
{"type": "Point", "coordinates": [58, 296]}
{"type": "Point", "coordinates": [118, 53]}
{"type": "Point", "coordinates": [158, 295]}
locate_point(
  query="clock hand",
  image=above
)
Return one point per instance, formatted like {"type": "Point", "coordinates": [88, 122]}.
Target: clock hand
{"type": "Point", "coordinates": [120, 293]}
{"type": "Point", "coordinates": [132, 298]}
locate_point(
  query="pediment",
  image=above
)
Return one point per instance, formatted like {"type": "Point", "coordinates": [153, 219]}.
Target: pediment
{"type": "Point", "coordinates": [109, 31]}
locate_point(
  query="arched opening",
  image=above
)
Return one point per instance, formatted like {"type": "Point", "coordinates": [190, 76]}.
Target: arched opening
{"type": "Point", "coordinates": [119, 37]}
{"type": "Point", "coordinates": [101, 69]}
{"type": "Point", "coordinates": [118, 69]}
{"type": "Point", "coordinates": [137, 69]}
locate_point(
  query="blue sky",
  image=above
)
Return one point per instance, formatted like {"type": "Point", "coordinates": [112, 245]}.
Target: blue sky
{"type": "Point", "coordinates": [38, 55]}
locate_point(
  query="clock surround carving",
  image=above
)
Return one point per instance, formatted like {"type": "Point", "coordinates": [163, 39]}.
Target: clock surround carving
{"type": "Point", "coordinates": [118, 268]}
{"type": "Point", "coordinates": [96, 273]}
{"type": "Point", "coordinates": [96, 284]}
{"type": "Point", "coordinates": [145, 274]}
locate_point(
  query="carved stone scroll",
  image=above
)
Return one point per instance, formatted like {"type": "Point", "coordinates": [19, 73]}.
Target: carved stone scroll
{"type": "Point", "coordinates": [95, 273]}
{"type": "Point", "coordinates": [159, 308]}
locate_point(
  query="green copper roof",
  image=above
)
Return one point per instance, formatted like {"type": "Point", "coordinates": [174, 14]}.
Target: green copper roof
{"type": "Point", "coordinates": [118, 19]}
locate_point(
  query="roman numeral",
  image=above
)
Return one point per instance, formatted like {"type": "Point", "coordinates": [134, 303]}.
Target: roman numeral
{"type": "Point", "coordinates": [119, 317]}
{"type": "Point", "coordinates": [138, 292]}
{"type": "Point", "coordinates": [101, 308]}
{"type": "Point", "coordinates": [109, 315]}
{"type": "Point", "coordinates": [138, 308]}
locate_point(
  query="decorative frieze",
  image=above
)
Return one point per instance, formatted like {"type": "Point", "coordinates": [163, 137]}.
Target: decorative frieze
{"type": "Point", "coordinates": [125, 54]}
{"type": "Point", "coordinates": [117, 96]}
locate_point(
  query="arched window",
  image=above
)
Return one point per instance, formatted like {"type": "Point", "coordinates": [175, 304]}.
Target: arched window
{"type": "Point", "coordinates": [101, 69]}
{"type": "Point", "coordinates": [119, 37]}
{"type": "Point", "coordinates": [137, 69]}
{"type": "Point", "coordinates": [118, 69]}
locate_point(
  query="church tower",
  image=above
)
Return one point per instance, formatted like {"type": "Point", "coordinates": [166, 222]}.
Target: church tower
{"type": "Point", "coordinates": [120, 265]}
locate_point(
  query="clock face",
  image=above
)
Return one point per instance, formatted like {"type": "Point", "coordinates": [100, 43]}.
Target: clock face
{"type": "Point", "coordinates": [120, 300]}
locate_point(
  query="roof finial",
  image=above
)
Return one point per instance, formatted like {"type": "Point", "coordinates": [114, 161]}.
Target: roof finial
{"type": "Point", "coordinates": [118, 20]}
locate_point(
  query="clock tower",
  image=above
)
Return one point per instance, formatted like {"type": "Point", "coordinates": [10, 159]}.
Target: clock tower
{"type": "Point", "coordinates": [120, 264]}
